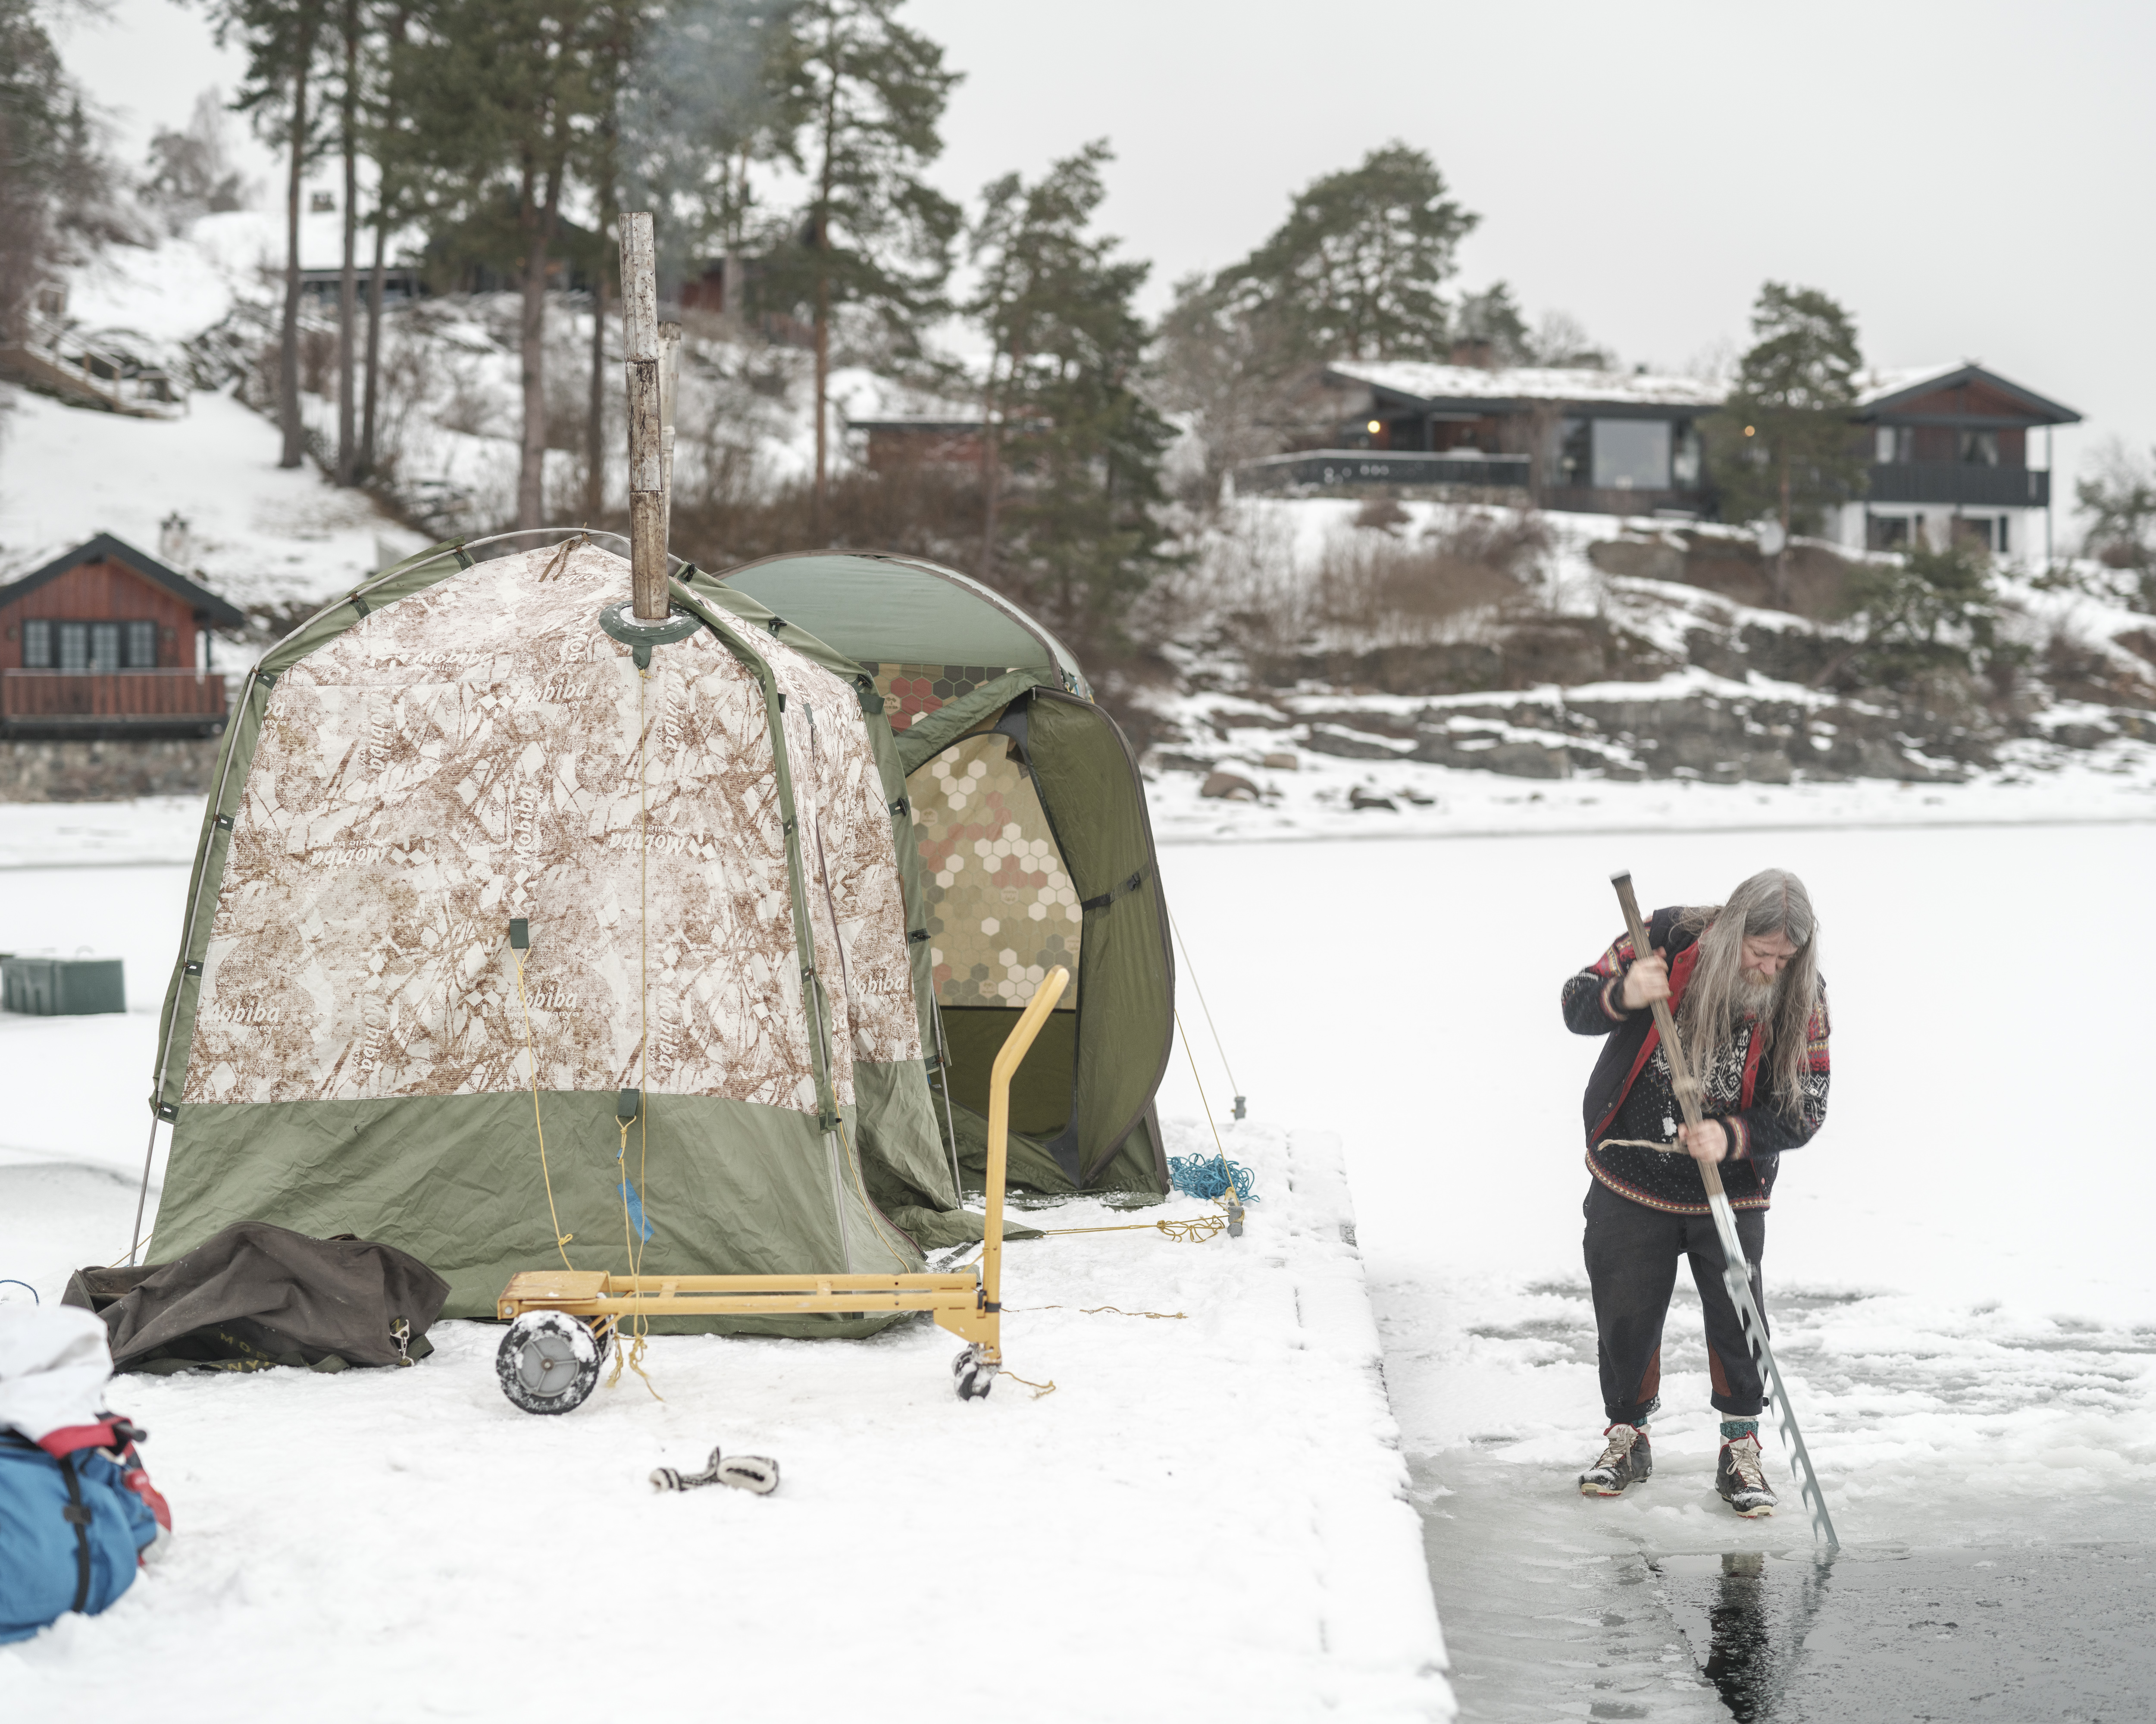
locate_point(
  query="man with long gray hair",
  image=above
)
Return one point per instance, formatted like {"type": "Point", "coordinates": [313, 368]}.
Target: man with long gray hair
{"type": "Point", "coordinates": [1742, 979]}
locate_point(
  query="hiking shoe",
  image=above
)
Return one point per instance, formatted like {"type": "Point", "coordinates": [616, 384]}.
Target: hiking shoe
{"type": "Point", "coordinates": [1737, 1475]}
{"type": "Point", "coordinates": [1625, 1460]}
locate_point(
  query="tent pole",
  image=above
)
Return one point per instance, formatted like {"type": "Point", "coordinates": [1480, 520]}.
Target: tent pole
{"type": "Point", "coordinates": [943, 1089]}
{"type": "Point", "coordinates": [142, 1197]}
{"type": "Point", "coordinates": [831, 1140]}
{"type": "Point", "coordinates": [647, 478]}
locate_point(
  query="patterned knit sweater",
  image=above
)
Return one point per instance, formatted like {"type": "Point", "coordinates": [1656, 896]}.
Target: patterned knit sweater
{"type": "Point", "coordinates": [1631, 1093]}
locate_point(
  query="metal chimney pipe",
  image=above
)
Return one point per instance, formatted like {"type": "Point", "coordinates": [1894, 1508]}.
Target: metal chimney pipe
{"type": "Point", "coordinates": [647, 475]}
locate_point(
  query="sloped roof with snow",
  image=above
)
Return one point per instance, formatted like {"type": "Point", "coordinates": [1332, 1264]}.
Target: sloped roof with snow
{"type": "Point", "coordinates": [1881, 389]}
{"type": "Point", "coordinates": [1449, 384]}
{"type": "Point", "coordinates": [206, 604]}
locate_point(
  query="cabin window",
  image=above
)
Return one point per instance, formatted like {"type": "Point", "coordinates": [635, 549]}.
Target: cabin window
{"type": "Point", "coordinates": [1886, 532]}
{"type": "Point", "coordinates": [1981, 449]}
{"type": "Point", "coordinates": [1631, 455]}
{"type": "Point", "coordinates": [89, 646]}
{"type": "Point", "coordinates": [1893, 446]}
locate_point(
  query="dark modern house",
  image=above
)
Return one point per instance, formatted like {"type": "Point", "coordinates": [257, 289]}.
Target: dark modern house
{"type": "Point", "coordinates": [1948, 447]}
{"type": "Point", "coordinates": [105, 641]}
{"type": "Point", "coordinates": [1602, 442]}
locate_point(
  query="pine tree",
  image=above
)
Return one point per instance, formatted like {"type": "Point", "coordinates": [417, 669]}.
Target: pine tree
{"type": "Point", "coordinates": [1358, 270]}
{"type": "Point", "coordinates": [697, 109]}
{"type": "Point", "coordinates": [1076, 535]}
{"type": "Point", "coordinates": [859, 98]}
{"type": "Point", "coordinates": [33, 97]}
{"type": "Point", "coordinates": [1234, 377]}
{"type": "Point", "coordinates": [1493, 317]}
{"type": "Point", "coordinates": [284, 39]}
{"type": "Point", "coordinates": [1783, 446]}
{"type": "Point", "coordinates": [506, 101]}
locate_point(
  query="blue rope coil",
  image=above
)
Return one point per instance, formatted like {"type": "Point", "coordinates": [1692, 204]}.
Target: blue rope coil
{"type": "Point", "coordinates": [1210, 1176]}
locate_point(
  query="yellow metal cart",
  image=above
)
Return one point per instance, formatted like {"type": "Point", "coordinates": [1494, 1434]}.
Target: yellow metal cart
{"type": "Point", "coordinates": [562, 1322]}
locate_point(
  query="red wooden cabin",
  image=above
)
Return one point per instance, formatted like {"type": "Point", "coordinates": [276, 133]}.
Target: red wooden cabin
{"type": "Point", "coordinates": [108, 641]}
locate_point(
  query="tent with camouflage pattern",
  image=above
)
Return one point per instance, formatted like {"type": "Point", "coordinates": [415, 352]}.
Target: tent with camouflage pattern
{"type": "Point", "coordinates": [503, 949]}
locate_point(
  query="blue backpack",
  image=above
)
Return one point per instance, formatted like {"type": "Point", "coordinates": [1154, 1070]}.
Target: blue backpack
{"type": "Point", "coordinates": [72, 1530]}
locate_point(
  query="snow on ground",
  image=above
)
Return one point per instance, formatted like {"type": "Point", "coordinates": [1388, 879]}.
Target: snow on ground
{"type": "Point", "coordinates": [258, 534]}
{"type": "Point", "coordinates": [1208, 1519]}
{"type": "Point", "coordinates": [1964, 1305]}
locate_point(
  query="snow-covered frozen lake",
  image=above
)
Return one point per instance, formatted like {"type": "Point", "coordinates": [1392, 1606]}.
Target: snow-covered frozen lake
{"type": "Point", "coordinates": [1964, 1299]}
{"type": "Point", "coordinates": [1964, 1308]}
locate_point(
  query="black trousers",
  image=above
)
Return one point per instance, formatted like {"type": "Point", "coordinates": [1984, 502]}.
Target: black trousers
{"type": "Point", "coordinates": [1632, 1253]}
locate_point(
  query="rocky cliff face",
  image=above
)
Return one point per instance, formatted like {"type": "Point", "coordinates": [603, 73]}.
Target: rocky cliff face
{"type": "Point", "coordinates": [1680, 670]}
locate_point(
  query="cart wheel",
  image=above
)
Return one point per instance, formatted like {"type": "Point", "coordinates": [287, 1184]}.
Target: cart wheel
{"type": "Point", "coordinates": [548, 1362]}
{"type": "Point", "coordinates": [972, 1374]}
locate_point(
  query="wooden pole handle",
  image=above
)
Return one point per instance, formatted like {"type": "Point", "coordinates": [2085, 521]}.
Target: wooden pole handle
{"type": "Point", "coordinates": [1681, 1073]}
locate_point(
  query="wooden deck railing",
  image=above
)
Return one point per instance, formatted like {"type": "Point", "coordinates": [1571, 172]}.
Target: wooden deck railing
{"type": "Point", "coordinates": [111, 694]}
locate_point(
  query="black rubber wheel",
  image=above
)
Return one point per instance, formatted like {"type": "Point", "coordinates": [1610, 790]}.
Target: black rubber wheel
{"type": "Point", "coordinates": [972, 1375]}
{"type": "Point", "coordinates": [549, 1362]}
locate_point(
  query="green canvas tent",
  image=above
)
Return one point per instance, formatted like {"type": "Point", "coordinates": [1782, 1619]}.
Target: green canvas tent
{"type": "Point", "coordinates": [473, 886]}
{"type": "Point", "coordinates": [1033, 845]}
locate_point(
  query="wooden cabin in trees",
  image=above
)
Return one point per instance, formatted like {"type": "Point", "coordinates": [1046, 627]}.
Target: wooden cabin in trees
{"type": "Point", "coordinates": [108, 641]}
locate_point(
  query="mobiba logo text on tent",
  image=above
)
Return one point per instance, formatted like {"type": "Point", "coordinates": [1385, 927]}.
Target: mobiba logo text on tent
{"type": "Point", "coordinates": [240, 1011]}
{"type": "Point", "coordinates": [350, 855]}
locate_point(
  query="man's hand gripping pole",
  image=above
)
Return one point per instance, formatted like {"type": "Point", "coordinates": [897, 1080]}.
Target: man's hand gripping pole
{"type": "Point", "coordinates": [1736, 1271]}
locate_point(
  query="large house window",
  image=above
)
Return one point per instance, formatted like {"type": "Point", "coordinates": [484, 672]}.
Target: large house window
{"type": "Point", "coordinates": [54, 645]}
{"type": "Point", "coordinates": [1894, 445]}
{"type": "Point", "coordinates": [1632, 455]}
{"type": "Point", "coordinates": [1685, 461]}
{"type": "Point", "coordinates": [1572, 452]}
{"type": "Point", "coordinates": [1981, 449]}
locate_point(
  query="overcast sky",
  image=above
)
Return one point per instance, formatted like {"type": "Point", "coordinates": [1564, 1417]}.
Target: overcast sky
{"type": "Point", "coordinates": [1971, 179]}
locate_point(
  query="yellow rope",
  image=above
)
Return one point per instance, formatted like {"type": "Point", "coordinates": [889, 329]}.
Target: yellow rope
{"type": "Point", "coordinates": [631, 1353]}
{"type": "Point", "coordinates": [1096, 1310]}
{"type": "Point", "coordinates": [131, 1251]}
{"type": "Point", "coordinates": [1202, 1102]}
{"type": "Point", "coordinates": [1038, 1388]}
{"type": "Point", "coordinates": [1190, 1230]}
{"type": "Point", "coordinates": [561, 1239]}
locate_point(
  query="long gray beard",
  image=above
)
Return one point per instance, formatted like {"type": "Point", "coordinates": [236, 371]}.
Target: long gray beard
{"type": "Point", "coordinates": [1757, 995]}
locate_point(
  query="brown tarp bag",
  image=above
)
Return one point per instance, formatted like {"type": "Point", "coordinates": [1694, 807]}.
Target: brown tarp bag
{"type": "Point", "coordinates": [257, 1296]}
